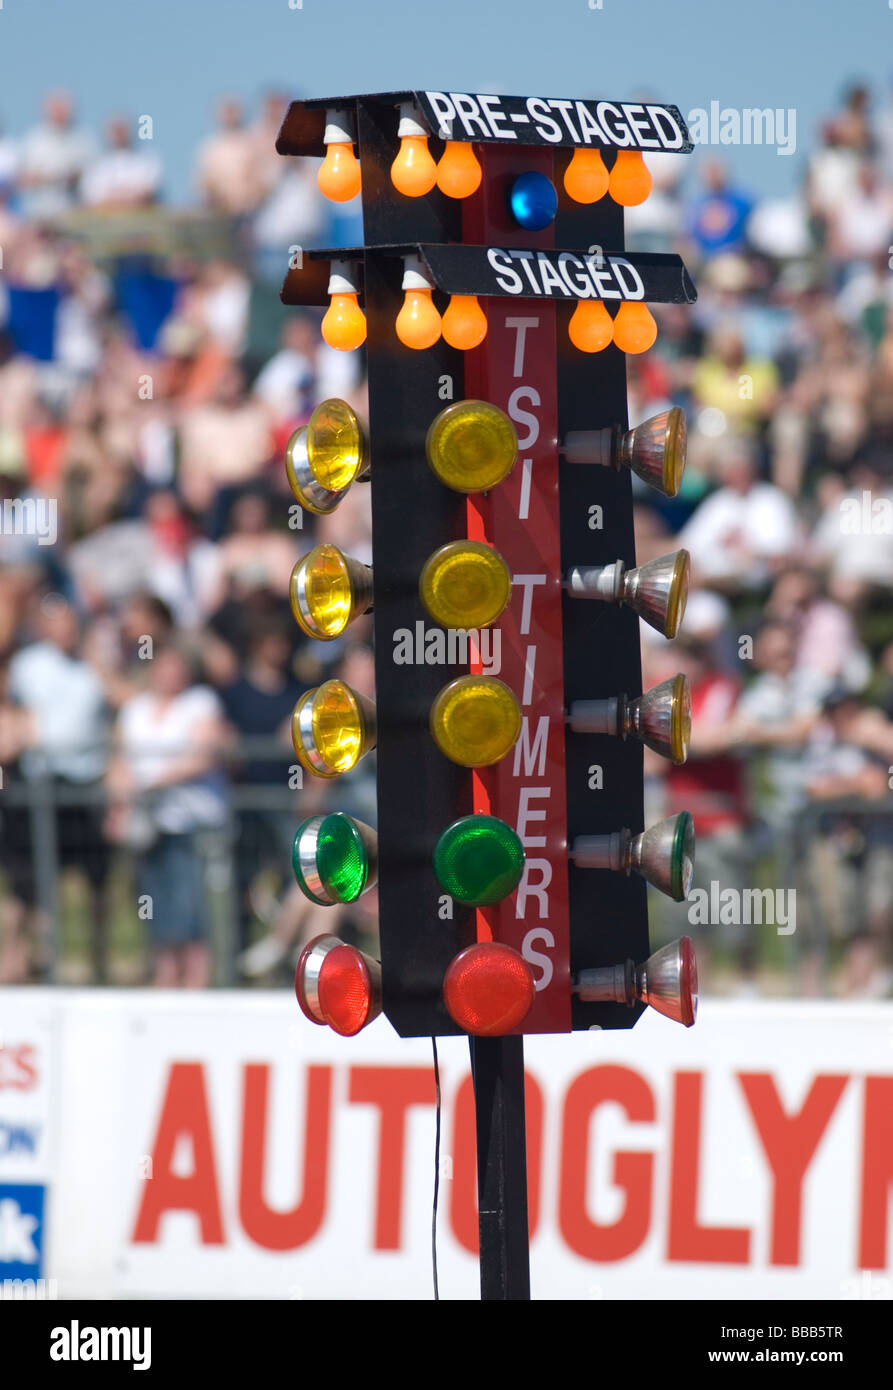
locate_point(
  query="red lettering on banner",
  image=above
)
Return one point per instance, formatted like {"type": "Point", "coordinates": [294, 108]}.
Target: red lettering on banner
{"type": "Point", "coordinates": [463, 1188]}
{"type": "Point", "coordinates": [184, 1113]}
{"type": "Point", "coordinates": [687, 1238]}
{"type": "Point", "coordinates": [17, 1069]}
{"type": "Point", "coordinates": [284, 1230]}
{"type": "Point", "coordinates": [877, 1171]}
{"type": "Point", "coordinates": [393, 1090]}
{"type": "Point", "coordinates": [789, 1142]}
{"type": "Point", "coordinates": [632, 1172]}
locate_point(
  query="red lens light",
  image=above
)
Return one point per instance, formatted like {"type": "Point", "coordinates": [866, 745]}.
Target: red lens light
{"type": "Point", "coordinates": [307, 978]}
{"type": "Point", "coordinates": [346, 991]}
{"type": "Point", "coordinates": [688, 982]}
{"type": "Point", "coordinates": [488, 989]}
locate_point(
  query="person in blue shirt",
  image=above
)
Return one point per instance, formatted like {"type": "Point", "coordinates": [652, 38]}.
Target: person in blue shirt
{"type": "Point", "coordinates": [718, 218]}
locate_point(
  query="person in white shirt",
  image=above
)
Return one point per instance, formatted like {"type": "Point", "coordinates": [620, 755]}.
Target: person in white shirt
{"type": "Point", "coordinates": [167, 787]}
{"type": "Point", "coordinates": [123, 177]}
{"type": "Point", "coordinates": [741, 534]}
{"type": "Point", "coordinates": [64, 742]}
{"type": "Point", "coordinates": [53, 157]}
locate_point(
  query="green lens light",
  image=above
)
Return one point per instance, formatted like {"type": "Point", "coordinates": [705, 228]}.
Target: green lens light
{"type": "Point", "coordinates": [334, 858]}
{"type": "Point", "coordinates": [682, 856]}
{"type": "Point", "coordinates": [479, 860]}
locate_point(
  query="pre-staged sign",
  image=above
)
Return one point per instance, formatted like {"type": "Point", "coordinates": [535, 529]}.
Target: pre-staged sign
{"type": "Point", "coordinates": [245, 1153]}
{"type": "Point", "coordinates": [553, 121]}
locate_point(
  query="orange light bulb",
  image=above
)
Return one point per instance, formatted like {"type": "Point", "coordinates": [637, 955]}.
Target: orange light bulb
{"type": "Point", "coordinates": [344, 324]}
{"type": "Point", "coordinates": [418, 322]}
{"type": "Point", "coordinates": [458, 172]}
{"type": "Point", "coordinates": [586, 177]}
{"type": "Point", "coordinates": [464, 323]}
{"type": "Point", "coordinates": [413, 172]}
{"type": "Point", "coordinates": [634, 327]}
{"type": "Point", "coordinates": [591, 327]}
{"type": "Point", "coordinates": [339, 173]}
{"type": "Point", "coordinates": [629, 182]}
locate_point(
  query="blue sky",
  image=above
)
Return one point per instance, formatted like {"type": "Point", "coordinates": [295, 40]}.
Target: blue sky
{"type": "Point", "coordinates": [171, 58]}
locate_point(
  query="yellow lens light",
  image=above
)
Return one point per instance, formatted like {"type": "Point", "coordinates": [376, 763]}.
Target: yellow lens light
{"type": "Point", "coordinates": [331, 728]}
{"type": "Point", "coordinates": [475, 720]}
{"type": "Point", "coordinates": [680, 719]}
{"type": "Point", "coordinates": [678, 593]}
{"type": "Point", "coordinates": [336, 445]}
{"type": "Point", "coordinates": [465, 584]}
{"type": "Point", "coordinates": [471, 446]}
{"type": "Point", "coordinates": [312, 496]}
{"type": "Point", "coordinates": [328, 590]}
{"type": "Point", "coordinates": [674, 452]}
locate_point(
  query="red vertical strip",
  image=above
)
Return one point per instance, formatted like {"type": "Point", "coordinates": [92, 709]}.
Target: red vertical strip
{"type": "Point", "coordinates": [515, 368]}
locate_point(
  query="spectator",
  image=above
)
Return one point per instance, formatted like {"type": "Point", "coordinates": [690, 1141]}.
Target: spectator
{"type": "Point", "coordinates": [224, 443]}
{"type": "Point", "coordinates": [259, 705]}
{"type": "Point", "coordinates": [745, 530]}
{"type": "Point", "coordinates": [719, 217]}
{"type": "Point", "coordinates": [167, 787]}
{"type": "Point", "coordinates": [776, 714]}
{"type": "Point", "coordinates": [123, 177]}
{"type": "Point", "coordinates": [63, 739]}
{"type": "Point", "coordinates": [854, 856]}
{"type": "Point", "coordinates": [229, 174]}
{"type": "Point", "coordinates": [53, 158]}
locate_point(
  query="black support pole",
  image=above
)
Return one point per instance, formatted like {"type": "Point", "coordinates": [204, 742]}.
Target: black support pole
{"type": "Point", "coordinates": [497, 1068]}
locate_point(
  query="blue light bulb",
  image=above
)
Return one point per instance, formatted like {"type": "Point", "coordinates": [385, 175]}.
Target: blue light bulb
{"type": "Point", "coordinates": [533, 201]}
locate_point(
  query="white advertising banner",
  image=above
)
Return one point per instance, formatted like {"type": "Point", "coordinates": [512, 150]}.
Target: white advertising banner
{"type": "Point", "coordinates": [28, 1091]}
{"type": "Point", "coordinates": [219, 1145]}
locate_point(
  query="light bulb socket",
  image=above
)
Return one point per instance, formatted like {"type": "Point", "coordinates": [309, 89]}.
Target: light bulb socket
{"type": "Point", "coordinates": [604, 582]}
{"type": "Point", "coordinates": [592, 446]}
{"type": "Point", "coordinates": [606, 984]}
{"type": "Point", "coordinates": [344, 277]}
{"type": "Point", "coordinates": [416, 275]}
{"type": "Point", "coordinates": [597, 716]}
{"type": "Point", "coordinates": [340, 127]}
{"type": "Point", "coordinates": [602, 851]}
{"type": "Point", "coordinates": [411, 121]}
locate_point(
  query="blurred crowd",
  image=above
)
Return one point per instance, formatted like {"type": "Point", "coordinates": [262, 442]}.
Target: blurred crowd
{"type": "Point", "coordinates": [145, 404]}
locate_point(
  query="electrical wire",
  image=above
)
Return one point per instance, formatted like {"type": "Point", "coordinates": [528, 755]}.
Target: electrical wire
{"type": "Point", "coordinates": [436, 1169]}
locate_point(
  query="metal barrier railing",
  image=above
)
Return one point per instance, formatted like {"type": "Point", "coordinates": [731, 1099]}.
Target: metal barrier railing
{"type": "Point", "coordinates": [41, 797]}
